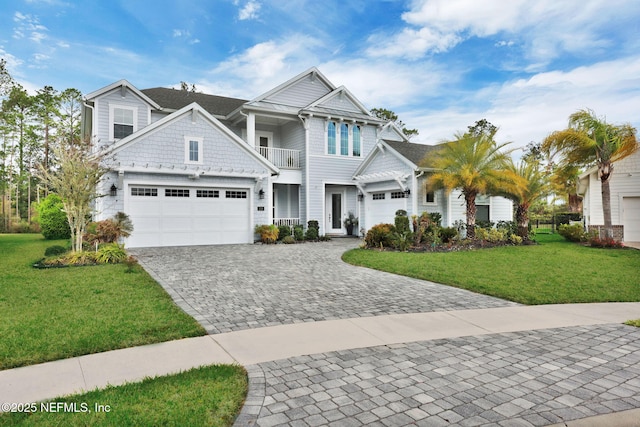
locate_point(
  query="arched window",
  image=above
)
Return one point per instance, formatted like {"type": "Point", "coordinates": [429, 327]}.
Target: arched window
{"type": "Point", "coordinates": [331, 138]}
{"type": "Point", "coordinates": [344, 139]}
{"type": "Point", "coordinates": [356, 141]}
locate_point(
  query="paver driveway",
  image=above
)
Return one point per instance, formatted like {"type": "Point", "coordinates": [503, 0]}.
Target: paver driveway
{"type": "Point", "coordinates": [233, 287]}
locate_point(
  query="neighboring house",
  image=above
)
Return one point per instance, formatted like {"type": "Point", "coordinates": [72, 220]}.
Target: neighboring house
{"type": "Point", "coordinates": [624, 185]}
{"type": "Point", "coordinates": [196, 169]}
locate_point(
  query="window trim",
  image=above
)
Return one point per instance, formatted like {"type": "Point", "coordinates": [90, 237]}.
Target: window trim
{"type": "Point", "coordinates": [112, 108]}
{"type": "Point", "coordinates": [435, 198]}
{"type": "Point", "coordinates": [187, 151]}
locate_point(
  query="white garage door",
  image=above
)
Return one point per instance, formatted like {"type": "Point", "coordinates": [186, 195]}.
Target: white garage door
{"type": "Point", "coordinates": [631, 220]}
{"type": "Point", "coordinates": [179, 216]}
{"type": "Point", "coordinates": [382, 207]}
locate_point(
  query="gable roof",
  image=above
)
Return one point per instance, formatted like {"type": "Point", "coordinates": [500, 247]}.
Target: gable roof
{"type": "Point", "coordinates": [174, 99]}
{"type": "Point", "coordinates": [313, 72]}
{"type": "Point", "coordinates": [409, 153]}
{"type": "Point", "coordinates": [125, 85]}
{"type": "Point", "coordinates": [412, 152]}
{"type": "Point", "coordinates": [323, 106]}
{"type": "Point", "coordinates": [192, 108]}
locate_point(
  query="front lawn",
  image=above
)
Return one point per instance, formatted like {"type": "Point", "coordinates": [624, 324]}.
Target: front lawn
{"type": "Point", "coordinates": [553, 272]}
{"type": "Point", "coordinates": [64, 312]}
{"type": "Point", "coordinates": [207, 396]}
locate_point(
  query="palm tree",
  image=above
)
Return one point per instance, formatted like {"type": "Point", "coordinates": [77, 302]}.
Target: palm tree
{"type": "Point", "coordinates": [474, 163]}
{"type": "Point", "coordinates": [590, 141]}
{"type": "Point", "coordinates": [532, 186]}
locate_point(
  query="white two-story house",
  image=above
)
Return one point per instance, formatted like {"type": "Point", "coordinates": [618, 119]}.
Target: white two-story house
{"type": "Point", "coordinates": [197, 169]}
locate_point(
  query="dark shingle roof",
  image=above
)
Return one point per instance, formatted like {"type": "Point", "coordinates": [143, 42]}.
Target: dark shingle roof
{"type": "Point", "coordinates": [413, 152]}
{"type": "Point", "coordinates": [176, 99]}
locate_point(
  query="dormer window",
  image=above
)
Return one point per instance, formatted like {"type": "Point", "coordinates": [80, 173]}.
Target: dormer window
{"type": "Point", "coordinates": [123, 121]}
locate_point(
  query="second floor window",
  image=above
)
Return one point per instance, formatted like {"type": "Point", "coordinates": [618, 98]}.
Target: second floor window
{"type": "Point", "coordinates": [331, 138]}
{"type": "Point", "coordinates": [356, 141]}
{"type": "Point", "coordinates": [344, 139]}
{"type": "Point", "coordinates": [123, 124]}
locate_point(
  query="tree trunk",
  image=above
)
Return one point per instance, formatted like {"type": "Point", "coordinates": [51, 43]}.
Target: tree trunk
{"type": "Point", "coordinates": [606, 207]}
{"type": "Point", "coordinates": [575, 203]}
{"type": "Point", "coordinates": [470, 199]}
{"type": "Point", "coordinates": [522, 219]}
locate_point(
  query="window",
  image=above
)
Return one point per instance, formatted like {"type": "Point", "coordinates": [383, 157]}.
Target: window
{"type": "Point", "coordinates": [236, 194]}
{"type": "Point", "coordinates": [176, 192]}
{"type": "Point", "coordinates": [145, 192]}
{"type": "Point", "coordinates": [430, 197]}
{"type": "Point", "coordinates": [378, 196]}
{"type": "Point", "coordinates": [344, 139]}
{"type": "Point", "coordinates": [331, 138]}
{"type": "Point", "coordinates": [123, 121]}
{"type": "Point", "coordinates": [356, 141]}
{"type": "Point", "coordinates": [397, 195]}
{"type": "Point", "coordinates": [193, 150]}
{"type": "Point", "coordinates": [211, 194]}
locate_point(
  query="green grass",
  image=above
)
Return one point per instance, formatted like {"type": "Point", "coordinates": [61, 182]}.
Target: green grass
{"type": "Point", "coordinates": [207, 396]}
{"type": "Point", "coordinates": [64, 312]}
{"type": "Point", "coordinates": [553, 272]}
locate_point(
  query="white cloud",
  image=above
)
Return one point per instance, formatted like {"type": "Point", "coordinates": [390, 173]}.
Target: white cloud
{"type": "Point", "coordinates": [529, 109]}
{"type": "Point", "coordinates": [546, 27]}
{"type": "Point", "coordinates": [28, 24]}
{"type": "Point", "coordinates": [249, 11]}
{"type": "Point", "coordinates": [263, 66]}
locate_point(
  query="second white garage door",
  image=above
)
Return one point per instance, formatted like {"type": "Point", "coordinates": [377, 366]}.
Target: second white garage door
{"type": "Point", "coordinates": [631, 214]}
{"type": "Point", "coordinates": [179, 216]}
{"type": "Point", "coordinates": [382, 207]}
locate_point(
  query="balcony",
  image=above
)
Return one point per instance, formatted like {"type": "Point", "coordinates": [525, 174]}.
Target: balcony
{"type": "Point", "coordinates": [281, 157]}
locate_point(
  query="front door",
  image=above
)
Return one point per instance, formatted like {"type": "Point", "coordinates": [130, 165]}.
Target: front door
{"type": "Point", "coordinates": [334, 212]}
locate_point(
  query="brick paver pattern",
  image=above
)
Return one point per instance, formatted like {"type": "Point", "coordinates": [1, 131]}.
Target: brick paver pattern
{"type": "Point", "coordinates": [532, 378]}
{"type": "Point", "coordinates": [234, 287]}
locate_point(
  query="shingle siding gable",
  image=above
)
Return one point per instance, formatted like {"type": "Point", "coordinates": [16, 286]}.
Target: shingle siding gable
{"type": "Point", "coordinates": [301, 93]}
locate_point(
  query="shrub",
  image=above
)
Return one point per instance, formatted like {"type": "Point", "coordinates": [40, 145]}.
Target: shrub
{"type": "Point", "coordinates": [131, 263]}
{"type": "Point", "coordinates": [402, 241]}
{"type": "Point", "coordinates": [313, 230]}
{"type": "Point", "coordinates": [508, 227]}
{"type": "Point", "coordinates": [447, 234]}
{"type": "Point", "coordinates": [55, 250]}
{"type": "Point", "coordinates": [81, 258]}
{"type": "Point", "coordinates": [432, 236]}
{"type": "Point", "coordinates": [484, 224]}
{"type": "Point", "coordinates": [401, 222]}
{"type": "Point", "coordinates": [573, 233]}
{"type": "Point", "coordinates": [515, 239]}
{"type": "Point", "coordinates": [288, 240]}
{"type": "Point", "coordinates": [566, 217]}
{"type": "Point", "coordinates": [490, 235]}
{"type": "Point", "coordinates": [435, 218]}
{"type": "Point", "coordinates": [111, 253]}
{"type": "Point", "coordinates": [298, 232]}
{"type": "Point", "coordinates": [380, 235]}
{"type": "Point", "coordinates": [324, 238]}
{"type": "Point", "coordinates": [109, 230]}
{"type": "Point", "coordinates": [268, 233]}
{"type": "Point", "coordinates": [604, 242]}
{"type": "Point", "coordinates": [283, 231]}
{"type": "Point", "coordinates": [53, 221]}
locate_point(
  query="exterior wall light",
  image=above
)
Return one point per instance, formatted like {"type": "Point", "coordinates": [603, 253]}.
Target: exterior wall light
{"type": "Point", "coordinates": [113, 191]}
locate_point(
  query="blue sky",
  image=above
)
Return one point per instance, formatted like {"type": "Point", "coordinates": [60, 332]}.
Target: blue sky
{"type": "Point", "coordinates": [524, 65]}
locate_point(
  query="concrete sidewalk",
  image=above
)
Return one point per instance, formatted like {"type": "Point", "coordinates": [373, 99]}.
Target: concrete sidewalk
{"type": "Point", "coordinates": [247, 347]}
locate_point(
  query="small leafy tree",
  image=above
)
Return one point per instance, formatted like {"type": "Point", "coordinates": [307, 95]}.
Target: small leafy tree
{"type": "Point", "coordinates": [75, 181]}
{"type": "Point", "coordinates": [52, 219]}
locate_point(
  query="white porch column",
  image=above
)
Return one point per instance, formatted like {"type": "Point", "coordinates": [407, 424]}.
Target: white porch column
{"type": "Point", "coordinates": [251, 129]}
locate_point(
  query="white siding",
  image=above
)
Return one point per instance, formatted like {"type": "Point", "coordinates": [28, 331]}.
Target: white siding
{"type": "Point", "coordinates": [302, 93]}
{"type": "Point", "coordinates": [114, 97]}
{"type": "Point", "coordinates": [624, 182]}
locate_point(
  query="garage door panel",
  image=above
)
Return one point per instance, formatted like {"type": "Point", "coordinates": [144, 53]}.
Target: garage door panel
{"type": "Point", "coordinates": [178, 221]}
{"type": "Point", "coordinates": [631, 219]}
{"type": "Point", "coordinates": [382, 210]}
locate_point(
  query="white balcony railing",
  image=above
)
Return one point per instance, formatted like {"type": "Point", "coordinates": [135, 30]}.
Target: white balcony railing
{"type": "Point", "coordinates": [281, 157]}
{"type": "Point", "coordinates": [286, 221]}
